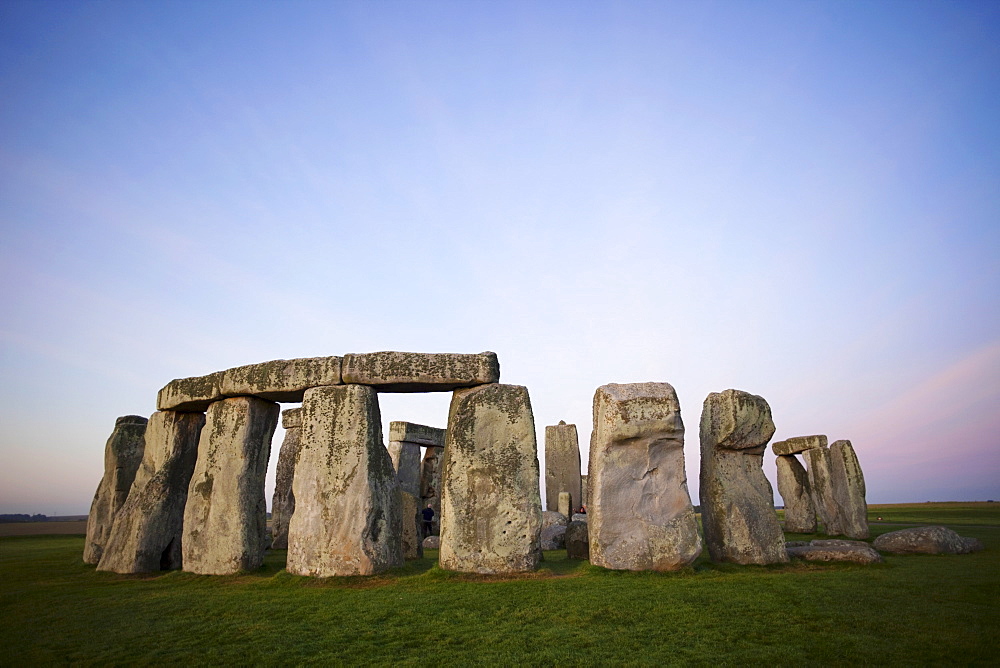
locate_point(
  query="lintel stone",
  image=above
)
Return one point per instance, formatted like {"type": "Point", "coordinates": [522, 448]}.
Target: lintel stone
{"type": "Point", "coordinates": [390, 371]}
{"type": "Point", "coordinates": [797, 444]}
{"type": "Point", "coordinates": [411, 432]}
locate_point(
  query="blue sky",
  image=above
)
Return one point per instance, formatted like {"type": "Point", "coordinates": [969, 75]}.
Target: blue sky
{"type": "Point", "coordinates": [800, 200]}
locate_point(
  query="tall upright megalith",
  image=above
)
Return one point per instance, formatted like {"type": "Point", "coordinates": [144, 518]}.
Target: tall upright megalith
{"type": "Point", "coordinates": [283, 500]}
{"type": "Point", "coordinates": [146, 533]}
{"type": "Point", "coordinates": [793, 485]}
{"type": "Point", "coordinates": [226, 513]}
{"type": "Point", "coordinates": [122, 456]}
{"type": "Point", "coordinates": [491, 506]}
{"type": "Point", "coordinates": [430, 484]}
{"type": "Point", "coordinates": [819, 470]}
{"type": "Point", "coordinates": [848, 485]}
{"type": "Point", "coordinates": [562, 465]}
{"type": "Point", "coordinates": [640, 515]}
{"type": "Point", "coordinates": [348, 515]}
{"type": "Point", "coordinates": [737, 502]}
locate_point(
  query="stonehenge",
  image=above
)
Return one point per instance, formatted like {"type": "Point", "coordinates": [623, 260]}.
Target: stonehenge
{"type": "Point", "coordinates": [185, 489]}
{"type": "Point", "coordinates": [491, 504]}
{"type": "Point", "coordinates": [562, 466]}
{"type": "Point", "coordinates": [833, 486]}
{"type": "Point", "coordinates": [737, 502]}
{"type": "Point", "coordinates": [122, 456]}
{"type": "Point", "coordinates": [640, 515]}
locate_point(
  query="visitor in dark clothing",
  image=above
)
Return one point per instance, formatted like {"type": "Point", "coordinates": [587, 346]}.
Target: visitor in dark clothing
{"type": "Point", "coordinates": [428, 514]}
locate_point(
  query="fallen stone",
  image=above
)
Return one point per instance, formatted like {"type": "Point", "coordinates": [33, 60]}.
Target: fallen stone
{"type": "Point", "coordinates": [278, 380]}
{"type": "Point", "coordinates": [406, 462]}
{"type": "Point", "coordinates": [737, 502]}
{"type": "Point", "coordinates": [793, 485]}
{"type": "Point", "coordinates": [848, 487]}
{"type": "Point", "coordinates": [797, 444]}
{"type": "Point", "coordinates": [579, 517]}
{"type": "Point", "coordinates": [412, 543]}
{"type": "Point", "coordinates": [640, 512]}
{"type": "Point", "coordinates": [491, 504]}
{"type": "Point", "coordinates": [122, 456]}
{"type": "Point", "coordinates": [553, 537]}
{"type": "Point", "coordinates": [577, 544]}
{"type": "Point", "coordinates": [818, 468]}
{"type": "Point", "coordinates": [854, 551]}
{"type": "Point", "coordinates": [926, 540]}
{"type": "Point", "coordinates": [348, 515]}
{"type": "Point", "coordinates": [283, 500]}
{"type": "Point", "coordinates": [391, 371]}
{"type": "Point", "coordinates": [146, 533]}
{"type": "Point", "coordinates": [562, 465]}
{"type": "Point", "coordinates": [420, 434]}
{"type": "Point", "coordinates": [226, 513]}
{"type": "Point", "coordinates": [432, 542]}
{"type": "Point", "coordinates": [430, 484]}
{"type": "Point", "coordinates": [552, 518]}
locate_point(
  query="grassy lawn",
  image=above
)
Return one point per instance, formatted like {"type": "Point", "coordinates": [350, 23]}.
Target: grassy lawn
{"type": "Point", "coordinates": [911, 610]}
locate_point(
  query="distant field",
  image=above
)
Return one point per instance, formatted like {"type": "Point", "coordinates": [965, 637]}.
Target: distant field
{"type": "Point", "coordinates": [42, 528]}
{"type": "Point", "coordinates": [913, 610]}
{"type": "Point", "coordinates": [957, 513]}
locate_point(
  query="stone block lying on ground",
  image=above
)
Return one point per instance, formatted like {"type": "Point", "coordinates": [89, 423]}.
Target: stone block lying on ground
{"type": "Point", "coordinates": [577, 543]}
{"type": "Point", "coordinates": [797, 444]}
{"type": "Point", "coordinates": [640, 512]}
{"type": "Point", "coordinates": [553, 537]}
{"type": "Point", "coordinates": [146, 534]}
{"type": "Point", "coordinates": [854, 551]}
{"type": "Point", "coordinates": [277, 380]}
{"type": "Point", "coordinates": [122, 456]}
{"type": "Point", "coordinates": [926, 540]}
{"type": "Point", "coordinates": [420, 434]}
{"type": "Point", "coordinates": [737, 502]}
{"type": "Point", "coordinates": [491, 505]}
{"type": "Point", "coordinates": [432, 542]}
{"type": "Point", "coordinates": [551, 518]}
{"type": "Point", "coordinates": [391, 371]}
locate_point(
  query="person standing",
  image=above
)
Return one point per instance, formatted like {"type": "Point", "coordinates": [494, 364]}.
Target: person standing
{"type": "Point", "coordinates": [428, 515]}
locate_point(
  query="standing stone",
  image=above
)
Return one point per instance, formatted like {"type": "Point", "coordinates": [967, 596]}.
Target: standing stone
{"type": "Point", "coordinates": [577, 544]}
{"type": "Point", "coordinates": [430, 485]}
{"type": "Point", "coordinates": [406, 462]}
{"type": "Point", "coordinates": [348, 515]}
{"type": "Point", "coordinates": [225, 518]}
{"type": "Point", "coordinates": [818, 467]}
{"type": "Point", "coordinates": [146, 534]}
{"type": "Point", "coordinates": [737, 502]}
{"type": "Point", "coordinates": [584, 494]}
{"type": "Point", "coordinates": [491, 504]}
{"type": "Point", "coordinates": [793, 485]}
{"type": "Point", "coordinates": [565, 505]}
{"type": "Point", "coordinates": [411, 535]}
{"type": "Point", "coordinates": [848, 485]}
{"type": "Point", "coordinates": [640, 511]}
{"type": "Point", "coordinates": [122, 456]}
{"type": "Point", "coordinates": [562, 464]}
{"type": "Point", "coordinates": [283, 500]}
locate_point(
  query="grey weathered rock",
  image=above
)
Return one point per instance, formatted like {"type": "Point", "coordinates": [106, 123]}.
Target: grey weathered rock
{"type": "Point", "coordinates": [348, 515]}
{"type": "Point", "coordinates": [848, 486]}
{"type": "Point", "coordinates": [226, 513]}
{"type": "Point", "coordinates": [565, 505]}
{"type": "Point", "coordinates": [430, 484]}
{"type": "Point", "coordinates": [491, 504]}
{"type": "Point", "coordinates": [432, 543]}
{"type": "Point", "coordinates": [854, 551]}
{"type": "Point", "coordinates": [797, 444]}
{"type": "Point", "coordinates": [793, 485]}
{"type": "Point", "coordinates": [277, 380]}
{"type": "Point", "coordinates": [577, 543]}
{"type": "Point", "coordinates": [553, 537]}
{"type": "Point", "coordinates": [578, 517]}
{"type": "Point", "coordinates": [420, 434]}
{"type": "Point", "coordinates": [405, 458]}
{"type": "Point", "coordinates": [283, 500]}
{"type": "Point", "coordinates": [640, 512]}
{"type": "Point", "coordinates": [584, 495]}
{"type": "Point", "coordinates": [562, 464]}
{"type": "Point", "coordinates": [737, 502]}
{"type": "Point", "coordinates": [818, 468]}
{"type": "Point", "coordinates": [411, 534]}
{"type": "Point", "coordinates": [926, 540]}
{"type": "Point", "coordinates": [391, 371]}
{"type": "Point", "coordinates": [552, 518]}
{"type": "Point", "coordinates": [146, 534]}
{"type": "Point", "coordinates": [122, 456]}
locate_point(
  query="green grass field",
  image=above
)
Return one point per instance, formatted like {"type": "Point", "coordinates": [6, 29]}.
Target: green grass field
{"type": "Point", "coordinates": [913, 610]}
